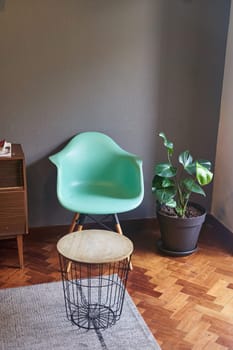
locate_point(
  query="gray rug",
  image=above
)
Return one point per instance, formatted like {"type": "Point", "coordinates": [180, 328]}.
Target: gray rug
{"type": "Point", "coordinates": [33, 318]}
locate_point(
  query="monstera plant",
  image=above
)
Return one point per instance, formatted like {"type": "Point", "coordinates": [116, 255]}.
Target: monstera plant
{"type": "Point", "coordinates": [173, 185]}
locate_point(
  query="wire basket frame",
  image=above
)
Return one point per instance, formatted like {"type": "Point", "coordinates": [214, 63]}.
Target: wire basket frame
{"type": "Point", "coordinates": [94, 293]}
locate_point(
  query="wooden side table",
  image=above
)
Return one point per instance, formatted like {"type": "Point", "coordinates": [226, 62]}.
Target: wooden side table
{"type": "Point", "coordinates": [13, 198]}
{"type": "Point", "coordinates": [94, 267]}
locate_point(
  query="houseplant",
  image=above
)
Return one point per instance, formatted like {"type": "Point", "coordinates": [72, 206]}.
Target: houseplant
{"type": "Point", "coordinates": [180, 220]}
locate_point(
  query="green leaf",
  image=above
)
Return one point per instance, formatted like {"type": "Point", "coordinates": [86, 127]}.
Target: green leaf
{"type": "Point", "coordinates": [191, 186]}
{"type": "Point", "coordinates": [166, 195]}
{"type": "Point", "coordinates": [203, 175]}
{"type": "Point", "coordinates": [165, 170]}
{"type": "Point", "coordinates": [168, 182]}
{"type": "Point", "coordinates": [163, 192]}
{"type": "Point", "coordinates": [205, 163]}
{"type": "Point", "coordinates": [159, 182]}
{"type": "Point", "coordinates": [171, 203]}
{"type": "Point", "coordinates": [185, 159]}
{"type": "Point", "coordinates": [191, 168]}
{"type": "Point", "coordinates": [167, 144]}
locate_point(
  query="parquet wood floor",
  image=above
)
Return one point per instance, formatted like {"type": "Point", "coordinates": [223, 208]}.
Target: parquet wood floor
{"type": "Point", "coordinates": [186, 301]}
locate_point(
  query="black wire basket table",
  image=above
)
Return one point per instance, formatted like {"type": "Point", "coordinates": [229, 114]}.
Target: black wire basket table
{"type": "Point", "coordinates": [94, 267]}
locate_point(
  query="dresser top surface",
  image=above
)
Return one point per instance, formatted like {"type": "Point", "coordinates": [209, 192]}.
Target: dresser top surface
{"type": "Point", "coordinates": [16, 152]}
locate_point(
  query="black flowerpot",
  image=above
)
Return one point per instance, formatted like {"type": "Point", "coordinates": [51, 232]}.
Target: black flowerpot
{"type": "Point", "coordinates": [179, 236]}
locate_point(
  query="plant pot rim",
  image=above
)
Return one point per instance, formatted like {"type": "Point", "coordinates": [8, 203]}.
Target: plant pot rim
{"type": "Point", "coordinates": [195, 205]}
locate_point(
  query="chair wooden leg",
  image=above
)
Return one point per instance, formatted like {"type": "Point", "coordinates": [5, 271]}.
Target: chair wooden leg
{"type": "Point", "coordinates": [119, 230]}
{"type": "Point", "coordinates": [20, 250]}
{"type": "Point", "coordinates": [73, 223]}
{"type": "Point", "coordinates": [71, 229]}
{"type": "Point", "coordinates": [130, 265]}
{"type": "Point", "coordinates": [117, 224]}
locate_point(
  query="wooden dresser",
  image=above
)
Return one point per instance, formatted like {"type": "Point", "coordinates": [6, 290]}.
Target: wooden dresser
{"type": "Point", "coordinates": [13, 198]}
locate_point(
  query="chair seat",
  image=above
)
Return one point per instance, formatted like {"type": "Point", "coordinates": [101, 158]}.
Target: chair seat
{"type": "Point", "coordinates": [99, 199]}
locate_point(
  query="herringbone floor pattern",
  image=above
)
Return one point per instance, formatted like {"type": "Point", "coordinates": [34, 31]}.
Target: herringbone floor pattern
{"type": "Point", "coordinates": [186, 301]}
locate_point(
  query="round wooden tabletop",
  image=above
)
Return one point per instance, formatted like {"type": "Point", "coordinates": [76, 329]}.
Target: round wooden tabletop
{"type": "Point", "coordinates": [95, 246]}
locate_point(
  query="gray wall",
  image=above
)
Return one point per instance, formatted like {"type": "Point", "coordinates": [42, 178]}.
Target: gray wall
{"type": "Point", "coordinates": [129, 68]}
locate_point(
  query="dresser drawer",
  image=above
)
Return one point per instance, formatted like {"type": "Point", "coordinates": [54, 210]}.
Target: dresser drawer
{"type": "Point", "coordinates": [12, 213]}
{"type": "Point", "coordinates": [11, 173]}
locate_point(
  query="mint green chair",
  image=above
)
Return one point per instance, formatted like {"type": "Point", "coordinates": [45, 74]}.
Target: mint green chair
{"type": "Point", "coordinates": [95, 176]}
